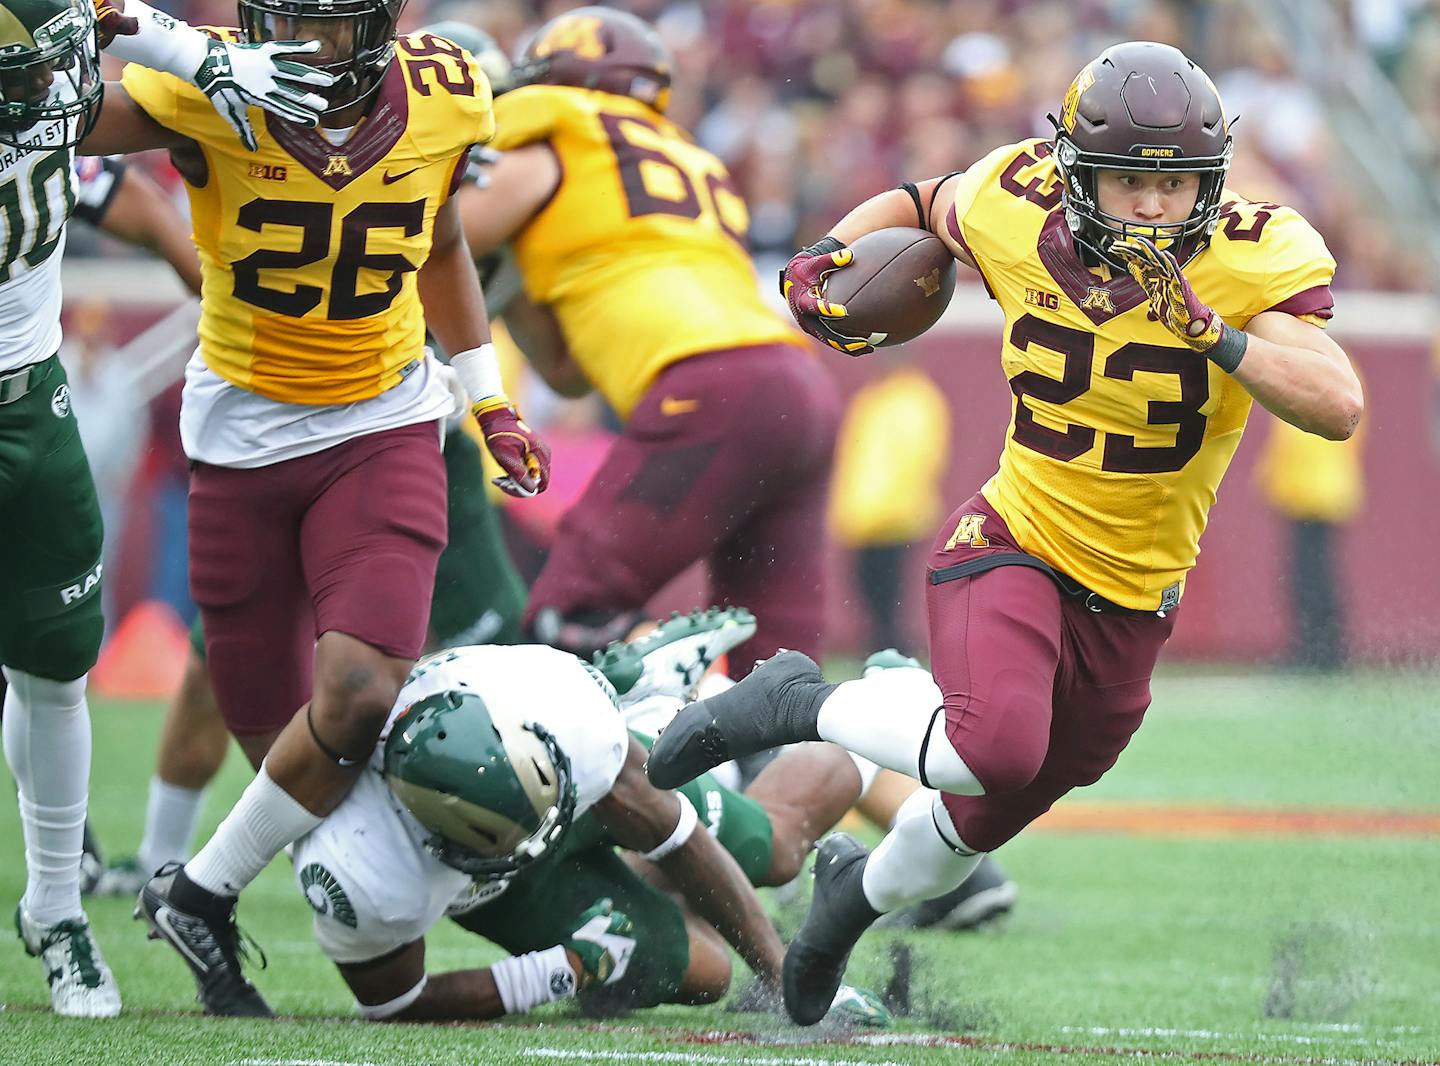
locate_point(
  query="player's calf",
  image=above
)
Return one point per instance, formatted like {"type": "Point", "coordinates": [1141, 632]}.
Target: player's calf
{"type": "Point", "coordinates": [805, 792]}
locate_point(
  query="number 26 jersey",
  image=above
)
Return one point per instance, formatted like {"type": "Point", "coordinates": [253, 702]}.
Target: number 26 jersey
{"type": "Point", "coordinates": [308, 250]}
{"type": "Point", "coordinates": [1119, 433]}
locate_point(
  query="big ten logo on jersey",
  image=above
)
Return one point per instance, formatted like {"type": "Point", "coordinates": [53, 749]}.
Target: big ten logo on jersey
{"type": "Point", "coordinates": [433, 62]}
{"type": "Point", "coordinates": [969, 531]}
{"type": "Point", "coordinates": [269, 171]}
{"type": "Point", "coordinates": [1040, 298]}
{"type": "Point", "coordinates": [663, 173]}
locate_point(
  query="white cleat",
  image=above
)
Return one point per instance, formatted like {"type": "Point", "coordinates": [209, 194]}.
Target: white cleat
{"type": "Point", "coordinates": [671, 659]}
{"type": "Point", "coordinates": [81, 985]}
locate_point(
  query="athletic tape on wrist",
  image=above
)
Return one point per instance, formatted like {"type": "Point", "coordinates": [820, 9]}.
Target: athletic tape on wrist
{"type": "Point", "coordinates": [682, 832]}
{"type": "Point", "coordinates": [1229, 349]}
{"type": "Point", "coordinates": [479, 372]}
{"type": "Point", "coordinates": [526, 981]}
{"type": "Point", "coordinates": [380, 1011]}
{"type": "Point", "coordinates": [162, 42]}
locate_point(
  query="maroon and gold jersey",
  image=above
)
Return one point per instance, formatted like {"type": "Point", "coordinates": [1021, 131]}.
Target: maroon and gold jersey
{"type": "Point", "coordinates": [309, 250]}
{"type": "Point", "coordinates": [640, 253]}
{"type": "Point", "coordinates": [1119, 434]}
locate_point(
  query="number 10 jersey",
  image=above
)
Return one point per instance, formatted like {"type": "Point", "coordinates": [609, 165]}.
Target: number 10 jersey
{"type": "Point", "coordinates": [37, 193]}
{"type": "Point", "coordinates": [308, 250]}
{"type": "Point", "coordinates": [1119, 433]}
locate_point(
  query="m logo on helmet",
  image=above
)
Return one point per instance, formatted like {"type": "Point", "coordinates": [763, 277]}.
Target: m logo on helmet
{"type": "Point", "coordinates": [1071, 105]}
{"type": "Point", "coordinates": [324, 894]}
{"type": "Point", "coordinates": [578, 35]}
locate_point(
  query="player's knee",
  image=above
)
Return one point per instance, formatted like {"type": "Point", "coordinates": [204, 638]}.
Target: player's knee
{"type": "Point", "coordinates": [1007, 756]}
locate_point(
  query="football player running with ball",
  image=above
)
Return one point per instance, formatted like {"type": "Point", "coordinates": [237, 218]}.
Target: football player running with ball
{"type": "Point", "coordinates": [312, 415]}
{"type": "Point", "coordinates": [634, 237]}
{"type": "Point", "coordinates": [499, 794]}
{"type": "Point", "coordinates": [1146, 306]}
{"type": "Point", "coordinates": [50, 99]}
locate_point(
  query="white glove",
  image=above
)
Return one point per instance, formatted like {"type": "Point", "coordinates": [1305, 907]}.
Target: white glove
{"type": "Point", "coordinates": [603, 943]}
{"type": "Point", "coordinates": [237, 76]}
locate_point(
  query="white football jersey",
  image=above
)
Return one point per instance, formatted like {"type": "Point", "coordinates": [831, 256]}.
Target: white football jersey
{"type": "Point", "coordinates": [365, 869]}
{"type": "Point", "coordinates": [37, 194]}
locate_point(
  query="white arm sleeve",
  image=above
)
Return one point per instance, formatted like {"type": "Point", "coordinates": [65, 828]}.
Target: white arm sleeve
{"type": "Point", "coordinates": [162, 43]}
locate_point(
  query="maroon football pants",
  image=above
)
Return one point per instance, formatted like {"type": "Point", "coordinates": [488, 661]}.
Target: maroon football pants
{"type": "Point", "coordinates": [344, 540]}
{"type": "Point", "coordinates": [1041, 694]}
{"type": "Point", "coordinates": [727, 459]}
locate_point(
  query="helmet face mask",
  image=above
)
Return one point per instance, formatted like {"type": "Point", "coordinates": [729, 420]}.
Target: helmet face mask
{"type": "Point", "coordinates": [496, 793]}
{"type": "Point", "coordinates": [1143, 108]}
{"type": "Point", "coordinates": [50, 83]}
{"type": "Point", "coordinates": [357, 39]}
{"type": "Point", "coordinates": [599, 48]}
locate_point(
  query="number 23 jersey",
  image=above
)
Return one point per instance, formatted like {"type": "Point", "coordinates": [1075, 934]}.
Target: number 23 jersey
{"type": "Point", "coordinates": [308, 250]}
{"type": "Point", "coordinates": [1119, 434]}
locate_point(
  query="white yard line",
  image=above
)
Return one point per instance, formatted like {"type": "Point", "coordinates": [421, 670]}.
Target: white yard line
{"type": "Point", "coordinates": [563, 1054]}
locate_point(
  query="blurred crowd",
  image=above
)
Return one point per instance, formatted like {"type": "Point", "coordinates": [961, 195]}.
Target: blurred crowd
{"type": "Point", "coordinates": [817, 104]}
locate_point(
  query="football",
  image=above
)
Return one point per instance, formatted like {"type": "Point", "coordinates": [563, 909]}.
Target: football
{"type": "Point", "coordinates": [898, 286]}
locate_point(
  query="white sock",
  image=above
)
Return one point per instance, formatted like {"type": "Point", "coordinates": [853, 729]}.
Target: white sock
{"type": "Point", "coordinates": [170, 818]}
{"type": "Point", "coordinates": [263, 821]}
{"type": "Point", "coordinates": [921, 858]}
{"type": "Point", "coordinates": [47, 744]}
{"type": "Point", "coordinates": [890, 718]}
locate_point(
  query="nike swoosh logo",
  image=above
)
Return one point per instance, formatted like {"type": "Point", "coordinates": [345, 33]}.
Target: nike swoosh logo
{"type": "Point", "coordinates": [670, 406]}
{"type": "Point", "coordinates": [390, 179]}
{"type": "Point", "coordinates": [162, 919]}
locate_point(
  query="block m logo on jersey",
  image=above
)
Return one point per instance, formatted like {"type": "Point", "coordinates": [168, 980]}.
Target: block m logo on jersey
{"type": "Point", "coordinates": [337, 165]}
{"type": "Point", "coordinates": [1097, 299]}
{"type": "Point", "coordinates": [968, 531]}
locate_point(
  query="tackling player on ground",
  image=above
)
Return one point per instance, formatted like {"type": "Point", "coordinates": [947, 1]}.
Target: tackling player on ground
{"type": "Point", "coordinates": [50, 99]}
{"type": "Point", "coordinates": [1146, 306]}
{"type": "Point", "coordinates": [312, 417]}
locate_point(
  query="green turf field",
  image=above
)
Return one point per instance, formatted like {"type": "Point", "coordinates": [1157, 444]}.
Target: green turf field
{"type": "Point", "coordinates": [1180, 943]}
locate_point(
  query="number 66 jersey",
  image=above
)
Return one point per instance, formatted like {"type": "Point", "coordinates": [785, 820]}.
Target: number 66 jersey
{"type": "Point", "coordinates": [1119, 433]}
{"type": "Point", "coordinates": [309, 248]}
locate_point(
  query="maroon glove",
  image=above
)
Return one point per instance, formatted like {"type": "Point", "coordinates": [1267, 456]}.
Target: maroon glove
{"type": "Point", "coordinates": [521, 454]}
{"type": "Point", "coordinates": [800, 284]}
{"type": "Point", "coordinates": [111, 21]}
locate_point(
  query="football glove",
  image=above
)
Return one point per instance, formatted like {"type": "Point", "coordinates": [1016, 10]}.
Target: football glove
{"type": "Point", "coordinates": [802, 284]}
{"type": "Point", "coordinates": [523, 456]}
{"type": "Point", "coordinates": [237, 76]}
{"type": "Point", "coordinates": [1174, 303]}
{"type": "Point", "coordinates": [604, 943]}
{"type": "Point", "coordinates": [111, 21]}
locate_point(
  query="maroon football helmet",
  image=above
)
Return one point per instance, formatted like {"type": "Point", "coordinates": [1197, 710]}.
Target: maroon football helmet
{"type": "Point", "coordinates": [1141, 106]}
{"type": "Point", "coordinates": [599, 48]}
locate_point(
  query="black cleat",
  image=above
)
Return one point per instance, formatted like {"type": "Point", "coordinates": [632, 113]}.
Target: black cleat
{"type": "Point", "coordinates": [983, 896]}
{"type": "Point", "coordinates": [210, 945]}
{"type": "Point", "coordinates": [839, 915]}
{"type": "Point", "coordinates": [778, 703]}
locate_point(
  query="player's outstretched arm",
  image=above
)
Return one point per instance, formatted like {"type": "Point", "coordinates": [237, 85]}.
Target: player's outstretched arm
{"type": "Point", "coordinates": [662, 827]}
{"type": "Point", "coordinates": [141, 214]}
{"type": "Point", "coordinates": [1292, 367]}
{"type": "Point", "coordinates": [395, 987]}
{"type": "Point", "coordinates": [123, 126]}
{"type": "Point", "coordinates": [234, 76]}
{"type": "Point", "coordinates": [516, 186]}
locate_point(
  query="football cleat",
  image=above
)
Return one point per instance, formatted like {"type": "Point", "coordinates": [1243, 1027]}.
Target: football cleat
{"type": "Point", "coordinates": [123, 878]}
{"type": "Point", "coordinates": [839, 915]}
{"type": "Point", "coordinates": [983, 896]}
{"type": "Point", "coordinates": [778, 703]}
{"type": "Point", "coordinates": [671, 659]}
{"type": "Point", "coordinates": [211, 946]}
{"type": "Point", "coordinates": [81, 985]}
{"type": "Point", "coordinates": [857, 1008]}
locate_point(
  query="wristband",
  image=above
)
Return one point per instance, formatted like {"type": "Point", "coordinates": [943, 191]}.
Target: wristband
{"type": "Point", "coordinates": [1229, 349]}
{"type": "Point", "coordinates": [376, 1012]}
{"type": "Point", "coordinates": [161, 43]}
{"type": "Point", "coordinates": [526, 981]}
{"type": "Point", "coordinates": [479, 372]}
{"type": "Point", "coordinates": [682, 832]}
